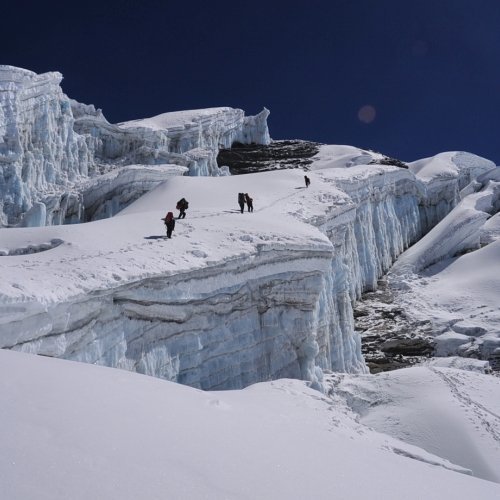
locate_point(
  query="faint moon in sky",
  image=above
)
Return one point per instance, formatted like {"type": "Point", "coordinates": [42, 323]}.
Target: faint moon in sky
{"type": "Point", "coordinates": [367, 114]}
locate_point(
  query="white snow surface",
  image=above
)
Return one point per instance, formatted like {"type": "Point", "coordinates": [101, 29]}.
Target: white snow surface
{"type": "Point", "coordinates": [174, 119]}
{"type": "Point", "coordinates": [213, 224]}
{"type": "Point", "coordinates": [452, 275]}
{"type": "Point", "coordinates": [449, 412]}
{"type": "Point", "coordinates": [341, 156]}
{"type": "Point", "coordinates": [70, 430]}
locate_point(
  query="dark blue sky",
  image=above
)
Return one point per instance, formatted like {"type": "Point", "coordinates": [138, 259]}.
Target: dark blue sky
{"type": "Point", "coordinates": [429, 68]}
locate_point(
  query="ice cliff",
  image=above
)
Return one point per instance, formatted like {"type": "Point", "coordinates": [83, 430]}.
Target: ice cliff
{"type": "Point", "coordinates": [51, 146]}
{"type": "Point", "coordinates": [39, 150]}
{"type": "Point", "coordinates": [233, 298]}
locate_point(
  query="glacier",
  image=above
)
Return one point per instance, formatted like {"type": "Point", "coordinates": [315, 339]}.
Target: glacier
{"type": "Point", "coordinates": [232, 299]}
{"type": "Point", "coordinates": [50, 145]}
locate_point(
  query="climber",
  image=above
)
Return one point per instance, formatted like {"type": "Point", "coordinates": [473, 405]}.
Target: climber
{"type": "Point", "coordinates": [241, 201]}
{"type": "Point", "coordinates": [169, 223]}
{"type": "Point", "coordinates": [182, 206]}
{"type": "Point", "coordinates": [249, 202]}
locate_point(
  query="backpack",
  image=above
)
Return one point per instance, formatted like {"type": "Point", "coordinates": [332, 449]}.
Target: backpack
{"type": "Point", "coordinates": [182, 204]}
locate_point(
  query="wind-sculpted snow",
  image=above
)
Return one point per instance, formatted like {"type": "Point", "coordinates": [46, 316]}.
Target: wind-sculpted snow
{"type": "Point", "coordinates": [51, 145]}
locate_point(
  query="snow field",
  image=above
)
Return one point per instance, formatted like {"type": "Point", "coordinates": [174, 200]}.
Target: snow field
{"type": "Point", "coordinates": [72, 430]}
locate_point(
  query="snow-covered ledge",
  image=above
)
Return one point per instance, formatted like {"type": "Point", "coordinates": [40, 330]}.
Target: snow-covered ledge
{"type": "Point", "coordinates": [197, 135]}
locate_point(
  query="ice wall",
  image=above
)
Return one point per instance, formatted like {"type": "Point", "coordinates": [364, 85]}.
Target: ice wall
{"type": "Point", "coordinates": [441, 178]}
{"type": "Point", "coordinates": [247, 320]}
{"type": "Point", "coordinates": [39, 151]}
{"type": "Point", "coordinates": [106, 195]}
{"type": "Point", "coordinates": [462, 230]}
{"type": "Point", "coordinates": [367, 235]}
{"type": "Point", "coordinates": [51, 145]}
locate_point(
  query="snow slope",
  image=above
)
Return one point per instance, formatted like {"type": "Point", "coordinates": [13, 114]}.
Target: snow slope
{"type": "Point", "coordinates": [452, 275]}
{"type": "Point", "coordinates": [70, 430]}
{"type": "Point", "coordinates": [452, 413]}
